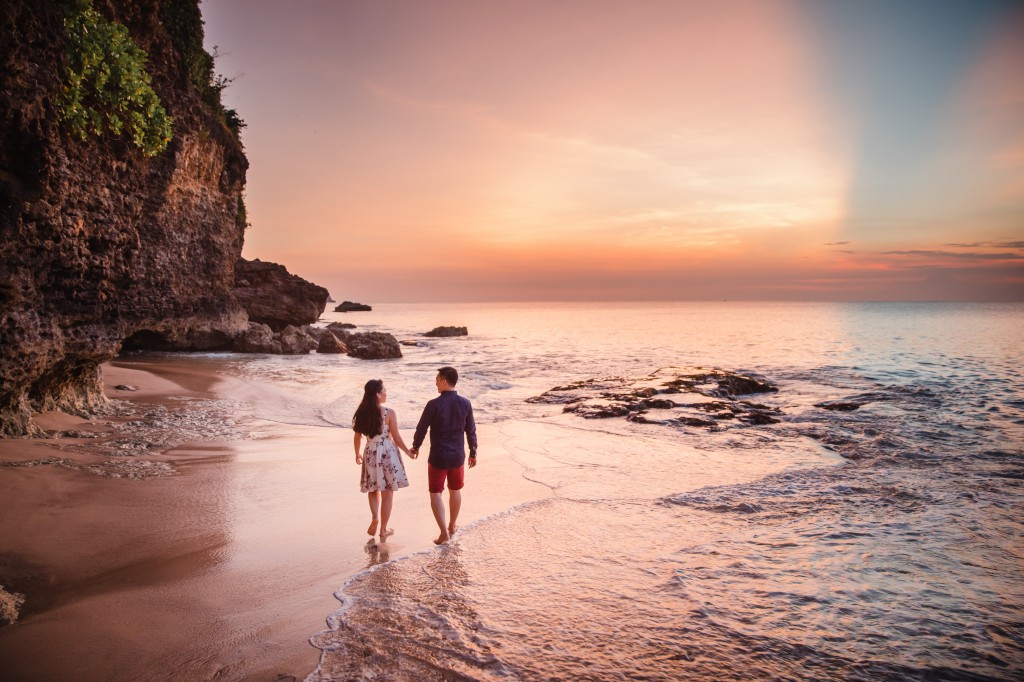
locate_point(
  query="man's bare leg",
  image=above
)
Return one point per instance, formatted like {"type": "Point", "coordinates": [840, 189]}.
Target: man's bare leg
{"type": "Point", "coordinates": [374, 499]}
{"type": "Point", "coordinates": [387, 497]}
{"type": "Point", "coordinates": [455, 503]}
{"type": "Point", "coordinates": [437, 506]}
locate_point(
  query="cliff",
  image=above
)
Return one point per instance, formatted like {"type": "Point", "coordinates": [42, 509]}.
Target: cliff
{"type": "Point", "coordinates": [100, 243]}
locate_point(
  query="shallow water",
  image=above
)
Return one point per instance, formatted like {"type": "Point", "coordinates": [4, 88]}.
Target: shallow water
{"type": "Point", "coordinates": [882, 542]}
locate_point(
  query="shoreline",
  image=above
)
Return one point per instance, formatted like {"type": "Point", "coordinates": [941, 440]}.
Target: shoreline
{"type": "Point", "coordinates": [214, 557]}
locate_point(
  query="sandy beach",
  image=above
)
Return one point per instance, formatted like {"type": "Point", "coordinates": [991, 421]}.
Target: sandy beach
{"type": "Point", "coordinates": [203, 560]}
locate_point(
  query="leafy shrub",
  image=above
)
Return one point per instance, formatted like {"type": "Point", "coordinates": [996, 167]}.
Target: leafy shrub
{"type": "Point", "coordinates": [184, 23]}
{"type": "Point", "coordinates": [108, 87]}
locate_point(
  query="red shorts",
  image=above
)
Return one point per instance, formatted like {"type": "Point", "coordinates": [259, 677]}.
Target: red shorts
{"type": "Point", "coordinates": [436, 478]}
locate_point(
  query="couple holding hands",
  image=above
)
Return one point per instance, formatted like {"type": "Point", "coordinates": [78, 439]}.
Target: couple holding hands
{"type": "Point", "coordinates": [447, 417]}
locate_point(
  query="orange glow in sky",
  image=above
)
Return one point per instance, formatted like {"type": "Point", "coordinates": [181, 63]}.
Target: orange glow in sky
{"type": "Point", "coordinates": [457, 150]}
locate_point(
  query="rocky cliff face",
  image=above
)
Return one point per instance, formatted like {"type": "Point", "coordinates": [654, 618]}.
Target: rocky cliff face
{"type": "Point", "coordinates": [99, 243]}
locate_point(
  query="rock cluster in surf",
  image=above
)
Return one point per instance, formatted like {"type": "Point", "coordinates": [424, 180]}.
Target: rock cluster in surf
{"type": "Point", "coordinates": [672, 396]}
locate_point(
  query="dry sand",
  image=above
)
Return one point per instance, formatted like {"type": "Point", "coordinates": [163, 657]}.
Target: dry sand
{"type": "Point", "coordinates": [222, 566]}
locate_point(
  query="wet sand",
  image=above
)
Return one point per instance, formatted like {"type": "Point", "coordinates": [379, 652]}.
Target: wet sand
{"type": "Point", "coordinates": [221, 569]}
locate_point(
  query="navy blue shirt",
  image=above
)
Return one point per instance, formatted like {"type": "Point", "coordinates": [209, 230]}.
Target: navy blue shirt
{"type": "Point", "coordinates": [448, 416]}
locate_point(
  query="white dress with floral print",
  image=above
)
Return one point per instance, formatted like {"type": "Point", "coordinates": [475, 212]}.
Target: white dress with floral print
{"type": "Point", "coordinates": [383, 468]}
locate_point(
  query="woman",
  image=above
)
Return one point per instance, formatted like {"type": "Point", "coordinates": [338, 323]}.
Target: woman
{"type": "Point", "coordinates": [383, 470]}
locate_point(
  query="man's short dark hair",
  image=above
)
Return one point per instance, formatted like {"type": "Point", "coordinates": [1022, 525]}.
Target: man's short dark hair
{"type": "Point", "coordinates": [449, 374]}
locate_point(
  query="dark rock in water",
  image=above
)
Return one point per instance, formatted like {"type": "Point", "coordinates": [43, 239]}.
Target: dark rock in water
{"type": "Point", "coordinates": [258, 338]}
{"type": "Point", "coordinates": [714, 406]}
{"type": "Point", "coordinates": [550, 399]}
{"type": "Point", "coordinates": [658, 403]}
{"type": "Point", "coordinates": [632, 398]}
{"type": "Point", "coordinates": [412, 342]}
{"type": "Point", "coordinates": [294, 341]}
{"type": "Point", "coordinates": [316, 333]}
{"type": "Point", "coordinates": [373, 346]}
{"type": "Point", "coordinates": [732, 385]}
{"type": "Point", "coordinates": [840, 405]}
{"type": "Point", "coordinates": [342, 326]}
{"type": "Point", "coordinates": [598, 411]}
{"type": "Point", "coordinates": [696, 421]}
{"type": "Point", "coordinates": [329, 343]}
{"type": "Point", "coordinates": [641, 418]}
{"type": "Point", "coordinates": [126, 387]}
{"type": "Point", "coordinates": [447, 331]}
{"type": "Point", "coordinates": [349, 307]}
{"type": "Point", "coordinates": [275, 297]}
{"type": "Point", "coordinates": [759, 418]}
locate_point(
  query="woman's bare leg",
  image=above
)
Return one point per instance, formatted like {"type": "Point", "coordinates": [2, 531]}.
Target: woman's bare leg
{"type": "Point", "coordinates": [374, 499]}
{"type": "Point", "coordinates": [387, 498]}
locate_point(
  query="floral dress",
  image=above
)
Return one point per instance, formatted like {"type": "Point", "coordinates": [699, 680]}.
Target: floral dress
{"type": "Point", "coordinates": [382, 462]}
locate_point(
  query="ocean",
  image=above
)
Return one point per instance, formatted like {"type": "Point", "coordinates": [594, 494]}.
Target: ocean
{"type": "Point", "coordinates": [863, 520]}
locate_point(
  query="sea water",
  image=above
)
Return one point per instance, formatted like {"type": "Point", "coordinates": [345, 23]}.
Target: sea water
{"type": "Point", "coordinates": [880, 541]}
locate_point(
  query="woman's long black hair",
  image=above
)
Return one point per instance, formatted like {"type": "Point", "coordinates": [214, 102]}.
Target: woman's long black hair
{"type": "Point", "coordinates": [367, 420]}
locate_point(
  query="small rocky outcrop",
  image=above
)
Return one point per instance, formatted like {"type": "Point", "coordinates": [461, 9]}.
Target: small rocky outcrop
{"type": "Point", "coordinates": [373, 346]}
{"type": "Point", "coordinates": [645, 399]}
{"type": "Point", "coordinates": [275, 297]}
{"type": "Point", "coordinates": [294, 341]}
{"type": "Point", "coordinates": [350, 307]}
{"type": "Point", "coordinates": [329, 343]}
{"type": "Point", "coordinates": [447, 331]}
{"type": "Point", "coordinates": [340, 326]}
{"type": "Point", "coordinates": [258, 338]}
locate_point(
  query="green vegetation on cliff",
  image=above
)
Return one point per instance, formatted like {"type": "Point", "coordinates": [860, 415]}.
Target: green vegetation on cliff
{"type": "Point", "coordinates": [107, 86]}
{"type": "Point", "coordinates": [184, 23]}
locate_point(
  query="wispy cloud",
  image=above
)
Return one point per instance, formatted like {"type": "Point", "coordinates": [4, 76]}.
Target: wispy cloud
{"type": "Point", "coordinates": [956, 254]}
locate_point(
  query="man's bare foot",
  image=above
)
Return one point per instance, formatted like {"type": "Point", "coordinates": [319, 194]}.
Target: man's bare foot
{"type": "Point", "coordinates": [387, 532]}
{"type": "Point", "coordinates": [372, 530]}
{"type": "Point", "coordinates": [442, 539]}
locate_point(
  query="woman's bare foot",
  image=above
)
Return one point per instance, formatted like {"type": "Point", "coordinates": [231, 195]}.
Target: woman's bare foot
{"type": "Point", "coordinates": [386, 532]}
{"type": "Point", "coordinates": [442, 539]}
{"type": "Point", "coordinates": [451, 531]}
{"type": "Point", "coordinates": [372, 530]}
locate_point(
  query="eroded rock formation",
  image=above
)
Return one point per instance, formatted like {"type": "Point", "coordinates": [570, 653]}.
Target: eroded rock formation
{"type": "Point", "coordinates": [100, 244]}
{"type": "Point", "coordinates": [273, 296]}
{"type": "Point", "coordinates": [672, 396]}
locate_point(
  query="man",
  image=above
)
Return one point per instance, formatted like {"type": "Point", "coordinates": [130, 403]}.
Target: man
{"type": "Point", "coordinates": [448, 416]}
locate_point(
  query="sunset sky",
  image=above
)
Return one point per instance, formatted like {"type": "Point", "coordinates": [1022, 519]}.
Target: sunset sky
{"type": "Point", "coordinates": [437, 150]}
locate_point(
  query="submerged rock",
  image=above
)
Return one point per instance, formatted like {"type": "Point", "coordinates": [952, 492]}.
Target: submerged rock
{"type": "Point", "coordinates": [839, 405]}
{"type": "Point", "coordinates": [636, 398]}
